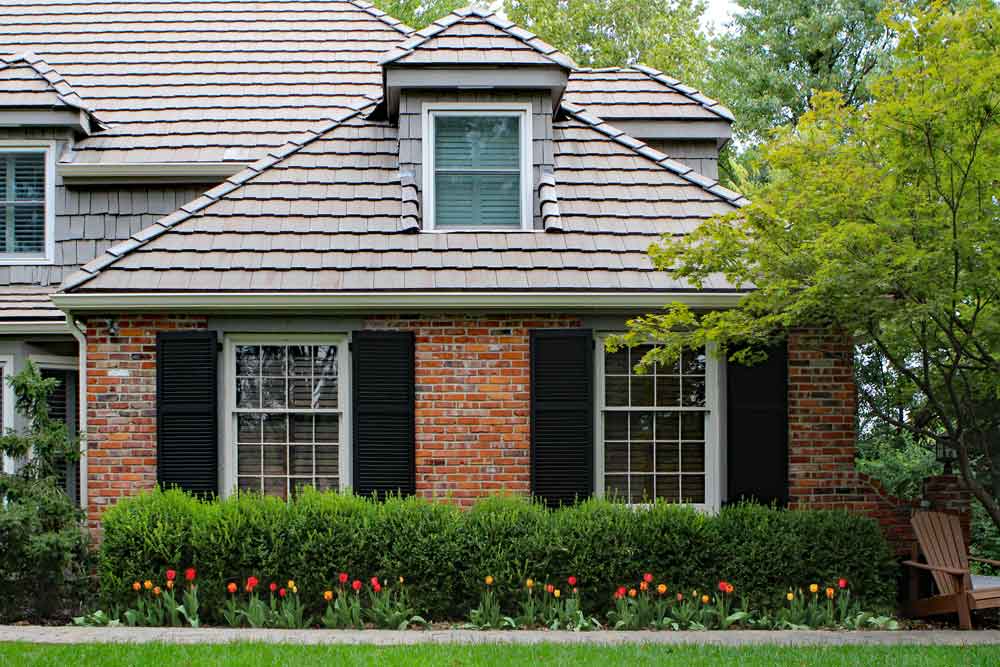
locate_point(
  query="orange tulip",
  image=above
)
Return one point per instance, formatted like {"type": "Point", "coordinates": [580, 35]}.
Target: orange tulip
{"type": "Point", "coordinates": [327, 595]}
{"type": "Point", "coordinates": [661, 589]}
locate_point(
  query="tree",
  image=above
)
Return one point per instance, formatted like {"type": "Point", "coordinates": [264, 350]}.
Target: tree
{"type": "Point", "coordinates": [665, 34]}
{"type": "Point", "coordinates": [780, 51]}
{"type": "Point", "coordinates": [882, 222]}
{"type": "Point", "coordinates": [419, 13]}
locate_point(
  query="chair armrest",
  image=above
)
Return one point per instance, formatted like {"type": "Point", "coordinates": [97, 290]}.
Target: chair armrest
{"type": "Point", "coordinates": [988, 561]}
{"type": "Point", "coordinates": [957, 571]}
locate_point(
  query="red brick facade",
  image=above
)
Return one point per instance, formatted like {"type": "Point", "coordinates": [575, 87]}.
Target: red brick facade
{"type": "Point", "coordinates": [821, 442]}
{"type": "Point", "coordinates": [473, 410]}
{"type": "Point", "coordinates": [121, 406]}
{"type": "Point", "coordinates": [472, 401]}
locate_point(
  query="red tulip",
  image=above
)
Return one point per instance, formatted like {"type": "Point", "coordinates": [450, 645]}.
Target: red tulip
{"type": "Point", "coordinates": [252, 584]}
{"type": "Point", "coordinates": [723, 586]}
{"type": "Point", "coordinates": [620, 592]}
{"type": "Point", "coordinates": [282, 593]}
{"type": "Point", "coordinates": [189, 574]}
{"type": "Point", "coordinates": [273, 586]}
{"type": "Point", "coordinates": [572, 581]}
{"type": "Point", "coordinates": [343, 577]}
{"type": "Point", "coordinates": [648, 578]}
{"type": "Point", "coordinates": [842, 583]}
{"type": "Point", "coordinates": [377, 587]}
{"type": "Point", "coordinates": [356, 585]}
{"type": "Point", "coordinates": [374, 581]}
{"type": "Point", "coordinates": [171, 575]}
{"type": "Point", "coordinates": [549, 588]}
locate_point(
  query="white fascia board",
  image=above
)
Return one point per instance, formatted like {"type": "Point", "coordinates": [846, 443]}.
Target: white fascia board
{"type": "Point", "coordinates": [172, 172]}
{"type": "Point", "coordinates": [374, 301]}
{"type": "Point", "coordinates": [34, 328]}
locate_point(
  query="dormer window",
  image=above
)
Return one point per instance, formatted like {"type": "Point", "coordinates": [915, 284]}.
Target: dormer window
{"type": "Point", "coordinates": [477, 167]}
{"type": "Point", "coordinates": [26, 193]}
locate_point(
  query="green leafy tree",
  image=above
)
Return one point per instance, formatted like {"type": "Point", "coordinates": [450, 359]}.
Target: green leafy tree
{"type": "Point", "coordinates": [882, 222]}
{"type": "Point", "coordinates": [419, 13]}
{"type": "Point", "coordinates": [665, 34]}
{"type": "Point", "coordinates": [779, 51]}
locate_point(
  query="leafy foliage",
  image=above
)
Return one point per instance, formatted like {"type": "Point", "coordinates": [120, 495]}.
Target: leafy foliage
{"type": "Point", "coordinates": [419, 13]}
{"type": "Point", "coordinates": [43, 549]}
{"type": "Point", "coordinates": [444, 553]}
{"type": "Point", "coordinates": [778, 52]}
{"type": "Point", "coordinates": [883, 223]}
{"type": "Point", "coordinates": [665, 34]}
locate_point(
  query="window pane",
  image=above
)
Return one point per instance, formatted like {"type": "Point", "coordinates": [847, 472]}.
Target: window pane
{"type": "Point", "coordinates": [477, 200]}
{"type": "Point", "coordinates": [273, 393]}
{"type": "Point", "coordinates": [248, 428]}
{"type": "Point", "coordinates": [477, 142]}
{"type": "Point", "coordinates": [642, 390]}
{"type": "Point", "coordinates": [250, 484]}
{"type": "Point", "coordinates": [27, 171]}
{"type": "Point", "coordinates": [275, 428]}
{"type": "Point", "coordinates": [327, 460]}
{"type": "Point", "coordinates": [247, 360]}
{"type": "Point", "coordinates": [616, 487]}
{"type": "Point", "coordinates": [693, 363]}
{"type": "Point", "coordinates": [668, 391]}
{"type": "Point", "coordinates": [28, 224]}
{"type": "Point", "coordinates": [273, 360]}
{"type": "Point", "coordinates": [616, 426]}
{"type": "Point", "coordinates": [275, 460]}
{"type": "Point", "coordinates": [693, 426]}
{"type": "Point", "coordinates": [616, 391]}
{"type": "Point", "coordinates": [300, 360]}
{"type": "Point", "coordinates": [276, 486]}
{"type": "Point", "coordinates": [667, 457]}
{"type": "Point", "coordinates": [641, 457]}
{"type": "Point", "coordinates": [694, 391]}
{"type": "Point", "coordinates": [248, 460]}
{"type": "Point", "coordinates": [327, 428]}
{"type": "Point", "coordinates": [616, 457]}
{"type": "Point", "coordinates": [693, 488]}
{"type": "Point", "coordinates": [300, 393]}
{"type": "Point", "coordinates": [300, 428]}
{"type": "Point", "coordinates": [668, 425]}
{"type": "Point", "coordinates": [300, 460]}
{"type": "Point", "coordinates": [616, 362]}
{"type": "Point", "coordinates": [668, 488]}
{"type": "Point", "coordinates": [640, 426]}
{"type": "Point", "coordinates": [641, 488]}
{"type": "Point", "coordinates": [693, 457]}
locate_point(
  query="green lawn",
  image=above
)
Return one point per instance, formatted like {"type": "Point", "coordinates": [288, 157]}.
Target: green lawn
{"type": "Point", "coordinates": [426, 655]}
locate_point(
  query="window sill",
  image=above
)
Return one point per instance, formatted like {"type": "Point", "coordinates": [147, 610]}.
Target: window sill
{"type": "Point", "coordinates": [27, 261]}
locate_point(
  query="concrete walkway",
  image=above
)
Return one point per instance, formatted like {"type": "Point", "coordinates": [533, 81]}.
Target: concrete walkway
{"type": "Point", "coordinates": [74, 635]}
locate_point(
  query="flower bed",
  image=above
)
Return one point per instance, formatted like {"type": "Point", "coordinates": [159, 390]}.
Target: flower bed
{"type": "Point", "coordinates": [443, 554]}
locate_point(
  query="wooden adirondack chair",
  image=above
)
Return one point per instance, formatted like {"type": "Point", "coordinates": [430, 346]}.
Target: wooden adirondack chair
{"type": "Point", "coordinates": [959, 591]}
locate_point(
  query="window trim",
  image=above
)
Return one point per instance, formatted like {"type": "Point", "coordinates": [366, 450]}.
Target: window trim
{"type": "Point", "coordinates": [7, 413]}
{"type": "Point", "coordinates": [228, 462]}
{"type": "Point", "coordinates": [715, 411]}
{"type": "Point", "coordinates": [49, 149]}
{"type": "Point", "coordinates": [523, 111]}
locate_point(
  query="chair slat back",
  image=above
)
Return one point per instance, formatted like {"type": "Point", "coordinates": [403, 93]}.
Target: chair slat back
{"type": "Point", "coordinates": [941, 541]}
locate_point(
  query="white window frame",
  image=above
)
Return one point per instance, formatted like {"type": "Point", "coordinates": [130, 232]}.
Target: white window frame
{"type": "Point", "coordinates": [7, 414]}
{"type": "Point", "coordinates": [714, 410]}
{"type": "Point", "coordinates": [49, 149]}
{"type": "Point", "coordinates": [523, 111]}
{"type": "Point", "coordinates": [229, 480]}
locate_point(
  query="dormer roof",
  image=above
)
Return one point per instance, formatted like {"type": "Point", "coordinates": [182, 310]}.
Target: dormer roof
{"type": "Point", "coordinates": [474, 36]}
{"type": "Point", "coordinates": [27, 82]}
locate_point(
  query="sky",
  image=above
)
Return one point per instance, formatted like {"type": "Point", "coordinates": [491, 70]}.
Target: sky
{"type": "Point", "coordinates": [718, 12]}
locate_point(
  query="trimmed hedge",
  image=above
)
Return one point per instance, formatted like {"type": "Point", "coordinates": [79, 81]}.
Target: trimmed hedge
{"type": "Point", "coordinates": [444, 552]}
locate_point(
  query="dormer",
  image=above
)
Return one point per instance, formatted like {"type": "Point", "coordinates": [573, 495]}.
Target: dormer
{"type": "Point", "coordinates": [474, 97]}
{"type": "Point", "coordinates": [663, 112]}
{"type": "Point", "coordinates": [32, 94]}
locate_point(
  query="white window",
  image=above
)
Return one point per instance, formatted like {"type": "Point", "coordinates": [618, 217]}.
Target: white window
{"type": "Point", "coordinates": [477, 167]}
{"type": "Point", "coordinates": [658, 432]}
{"type": "Point", "coordinates": [286, 426]}
{"type": "Point", "coordinates": [27, 193]}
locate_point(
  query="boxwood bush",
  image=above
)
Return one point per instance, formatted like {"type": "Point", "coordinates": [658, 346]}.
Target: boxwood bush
{"type": "Point", "coordinates": [444, 553]}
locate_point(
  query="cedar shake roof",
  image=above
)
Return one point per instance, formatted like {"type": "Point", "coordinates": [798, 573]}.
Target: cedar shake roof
{"type": "Point", "coordinates": [640, 92]}
{"type": "Point", "coordinates": [326, 213]}
{"type": "Point", "coordinates": [28, 82]}
{"type": "Point", "coordinates": [204, 80]}
{"type": "Point", "coordinates": [28, 304]}
{"type": "Point", "coordinates": [475, 36]}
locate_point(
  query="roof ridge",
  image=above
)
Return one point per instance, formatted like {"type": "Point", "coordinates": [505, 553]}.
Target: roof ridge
{"type": "Point", "coordinates": [385, 17]}
{"type": "Point", "coordinates": [116, 252]}
{"type": "Point", "coordinates": [66, 93]}
{"type": "Point", "coordinates": [687, 173]}
{"type": "Point", "coordinates": [691, 93]}
{"type": "Point", "coordinates": [489, 16]}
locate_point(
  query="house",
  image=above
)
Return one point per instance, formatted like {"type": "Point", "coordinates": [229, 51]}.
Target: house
{"type": "Point", "coordinates": [289, 243]}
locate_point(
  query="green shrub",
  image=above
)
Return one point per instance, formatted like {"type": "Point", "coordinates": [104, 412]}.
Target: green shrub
{"type": "Point", "coordinates": [445, 553]}
{"type": "Point", "coordinates": [44, 556]}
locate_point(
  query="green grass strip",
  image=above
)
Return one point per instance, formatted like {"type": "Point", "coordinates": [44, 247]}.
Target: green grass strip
{"type": "Point", "coordinates": [542, 655]}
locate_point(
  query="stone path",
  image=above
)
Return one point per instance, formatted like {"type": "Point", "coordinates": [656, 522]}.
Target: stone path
{"type": "Point", "coordinates": [74, 635]}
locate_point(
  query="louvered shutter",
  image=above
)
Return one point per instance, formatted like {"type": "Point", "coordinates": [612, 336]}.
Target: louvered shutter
{"type": "Point", "coordinates": [187, 411]}
{"type": "Point", "coordinates": [383, 409]}
{"type": "Point", "coordinates": [562, 415]}
{"type": "Point", "coordinates": [63, 407]}
{"type": "Point", "coordinates": [757, 429]}
{"type": "Point", "coordinates": [477, 165]}
{"type": "Point", "coordinates": [22, 202]}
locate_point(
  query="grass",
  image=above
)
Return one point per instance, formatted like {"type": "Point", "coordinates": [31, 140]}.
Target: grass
{"type": "Point", "coordinates": [251, 655]}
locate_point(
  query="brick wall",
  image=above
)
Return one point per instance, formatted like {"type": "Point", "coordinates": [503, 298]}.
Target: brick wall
{"type": "Point", "coordinates": [121, 406]}
{"type": "Point", "coordinates": [821, 443]}
{"type": "Point", "coordinates": [473, 435]}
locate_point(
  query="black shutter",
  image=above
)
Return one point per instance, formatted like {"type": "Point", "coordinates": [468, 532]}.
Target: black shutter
{"type": "Point", "coordinates": [562, 415]}
{"type": "Point", "coordinates": [187, 423]}
{"type": "Point", "coordinates": [63, 406]}
{"type": "Point", "coordinates": [383, 409]}
{"type": "Point", "coordinates": [757, 429]}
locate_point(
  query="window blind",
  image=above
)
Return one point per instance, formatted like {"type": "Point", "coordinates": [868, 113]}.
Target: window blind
{"type": "Point", "coordinates": [477, 171]}
{"type": "Point", "coordinates": [22, 202]}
